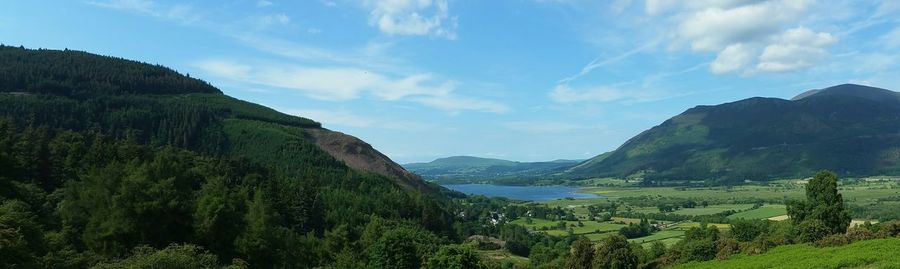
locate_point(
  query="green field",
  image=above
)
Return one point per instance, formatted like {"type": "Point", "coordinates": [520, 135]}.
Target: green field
{"type": "Point", "coordinates": [699, 210]}
{"type": "Point", "coordinates": [684, 226]}
{"type": "Point", "coordinates": [590, 227]}
{"type": "Point", "coordinates": [764, 212]}
{"type": "Point", "coordinates": [716, 195]}
{"type": "Point", "coordinates": [660, 235]}
{"type": "Point", "coordinates": [878, 253]}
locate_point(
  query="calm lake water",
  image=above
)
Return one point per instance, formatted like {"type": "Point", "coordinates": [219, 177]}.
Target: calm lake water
{"type": "Point", "coordinates": [533, 193]}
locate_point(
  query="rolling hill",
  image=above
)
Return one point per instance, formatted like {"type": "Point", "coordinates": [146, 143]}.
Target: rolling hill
{"type": "Point", "coordinates": [475, 168]}
{"type": "Point", "coordinates": [104, 159]}
{"type": "Point", "coordinates": [851, 129]}
{"type": "Point", "coordinates": [158, 106]}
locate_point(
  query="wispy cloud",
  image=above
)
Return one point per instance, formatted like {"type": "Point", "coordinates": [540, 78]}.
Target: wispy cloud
{"type": "Point", "coordinates": [182, 13]}
{"type": "Point", "coordinates": [329, 74]}
{"type": "Point", "coordinates": [601, 62]}
{"type": "Point", "coordinates": [344, 118]}
{"type": "Point", "coordinates": [542, 126]}
{"type": "Point", "coordinates": [343, 83]}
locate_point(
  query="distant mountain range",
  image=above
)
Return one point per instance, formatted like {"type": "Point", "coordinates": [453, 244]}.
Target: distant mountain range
{"type": "Point", "coordinates": [474, 168]}
{"type": "Point", "coordinates": [851, 129]}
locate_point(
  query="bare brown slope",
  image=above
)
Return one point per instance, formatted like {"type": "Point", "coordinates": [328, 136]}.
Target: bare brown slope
{"type": "Point", "coordinates": [359, 155]}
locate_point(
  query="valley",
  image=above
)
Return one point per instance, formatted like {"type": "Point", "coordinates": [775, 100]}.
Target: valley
{"type": "Point", "coordinates": [112, 163]}
{"type": "Point", "coordinates": [621, 204]}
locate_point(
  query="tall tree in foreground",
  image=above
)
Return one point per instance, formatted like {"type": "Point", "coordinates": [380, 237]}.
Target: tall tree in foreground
{"type": "Point", "coordinates": [582, 255]}
{"type": "Point", "coordinates": [615, 253]}
{"type": "Point", "coordinates": [823, 205]}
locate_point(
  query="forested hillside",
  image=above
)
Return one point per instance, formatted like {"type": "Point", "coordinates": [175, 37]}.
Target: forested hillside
{"type": "Point", "coordinates": [117, 164]}
{"type": "Point", "coordinates": [459, 169]}
{"type": "Point", "coordinates": [851, 129]}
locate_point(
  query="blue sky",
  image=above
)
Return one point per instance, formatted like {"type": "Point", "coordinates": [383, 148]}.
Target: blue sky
{"type": "Point", "coordinates": [523, 80]}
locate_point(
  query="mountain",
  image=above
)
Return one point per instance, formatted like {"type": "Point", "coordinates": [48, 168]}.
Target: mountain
{"type": "Point", "coordinates": [470, 168]}
{"type": "Point", "coordinates": [108, 162]}
{"type": "Point", "coordinates": [851, 129]}
{"type": "Point", "coordinates": [78, 90]}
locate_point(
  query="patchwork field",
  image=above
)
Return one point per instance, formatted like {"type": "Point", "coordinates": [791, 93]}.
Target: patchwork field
{"type": "Point", "coordinates": [865, 195]}
{"type": "Point", "coordinates": [764, 212]}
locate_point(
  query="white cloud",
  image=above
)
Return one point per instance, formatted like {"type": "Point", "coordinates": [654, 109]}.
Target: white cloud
{"type": "Point", "coordinates": [748, 36]}
{"type": "Point", "coordinates": [412, 17]}
{"type": "Point", "coordinates": [564, 94]}
{"type": "Point", "coordinates": [347, 83]}
{"type": "Point", "coordinates": [263, 3]}
{"type": "Point", "coordinates": [714, 28]}
{"type": "Point", "coordinates": [274, 19]}
{"type": "Point", "coordinates": [731, 59]}
{"type": "Point", "coordinates": [178, 12]}
{"type": "Point", "coordinates": [892, 39]}
{"type": "Point", "coordinates": [343, 118]}
{"type": "Point", "coordinates": [796, 49]}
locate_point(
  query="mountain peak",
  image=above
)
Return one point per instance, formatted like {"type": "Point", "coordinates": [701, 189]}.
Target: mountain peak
{"type": "Point", "coordinates": [867, 92]}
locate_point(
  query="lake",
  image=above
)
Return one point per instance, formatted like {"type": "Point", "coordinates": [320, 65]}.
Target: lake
{"type": "Point", "coordinates": [532, 193]}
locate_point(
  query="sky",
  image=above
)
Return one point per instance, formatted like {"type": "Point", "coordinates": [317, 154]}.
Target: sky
{"type": "Point", "coordinates": [524, 80]}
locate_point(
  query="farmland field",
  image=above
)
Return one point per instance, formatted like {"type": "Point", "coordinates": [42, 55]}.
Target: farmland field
{"type": "Point", "coordinates": [764, 212]}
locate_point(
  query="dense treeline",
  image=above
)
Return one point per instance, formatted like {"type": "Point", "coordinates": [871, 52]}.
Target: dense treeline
{"type": "Point", "coordinates": [110, 163]}
{"type": "Point", "coordinates": [81, 74]}
{"type": "Point", "coordinates": [73, 199]}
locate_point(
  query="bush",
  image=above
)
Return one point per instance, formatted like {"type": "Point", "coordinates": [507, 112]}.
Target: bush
{"type": "Point", "coordinates": [812, 230]}
{"type": "Point", "coordinates": [833, 240]}
{"type": "Point", "coordinates": [759, 245]}
{"type": "Point", "coordinates": [455, 257]}
{"type": "Point", "coordinates": [888, 229]}
{"type": "Point", "coordinates": [859, 234]}
{"type": "Point", "coordinates": [782, 232]}
{"type": "Point", "coordinates": [174, 256]}
{"type": "Point", "coordinates": [726, 247]}
{"type": "Point", "coordinates": [747, 230]}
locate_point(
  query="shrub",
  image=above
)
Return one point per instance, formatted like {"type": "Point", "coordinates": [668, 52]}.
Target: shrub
{"type": "Point", "coordinates": [889, 229]}
{"type": "Point", "coordinates": [811, 230]}
{"type": "Point", "coordinates": [747, 230]}
{"type": "Point", "coordinates": [726, 247]}
{"type": "Point", "coordinates": [455, 257]}
{"type": "Point", "coordinates": [833, 240]}
{"type": "Point", "coordinates": [859, 234]}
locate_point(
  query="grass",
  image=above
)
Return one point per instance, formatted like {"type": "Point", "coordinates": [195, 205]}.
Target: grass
{"type": "Point", "coordinates": [864, 254]}
{"type": "Point", "coordinates": [684, 226]}
{"type": "Point", "coordinates": [502, 255]}
{"type": "Point", "coordinates": [660, 235]}
{"type": "Point", "coordinates": [717, 195]}
{"type": "Point", "coordinates": [588, 228]}
{"type": "Point", "coordinates": [764, 212]}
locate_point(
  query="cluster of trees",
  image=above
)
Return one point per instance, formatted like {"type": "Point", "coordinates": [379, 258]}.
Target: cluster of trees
{"type": "Point", "coordinates": [613, 252]}
{"type": "Point", "coordinates": [74, 73]}
{"type": "Point", "coordinates": [72, 200]}
{"type": "Point", "coordinates": [638, 230]}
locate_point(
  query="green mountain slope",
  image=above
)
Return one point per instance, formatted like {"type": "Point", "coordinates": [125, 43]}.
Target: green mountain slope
{"type": "Point", "coordinates": [102, 157]}
{"type": "Point", "coordinates": [468, 167]}
{"type": "Point", "coordinates": [156, 105]}
{"type": "Point", "coordinates": [851, 129]}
